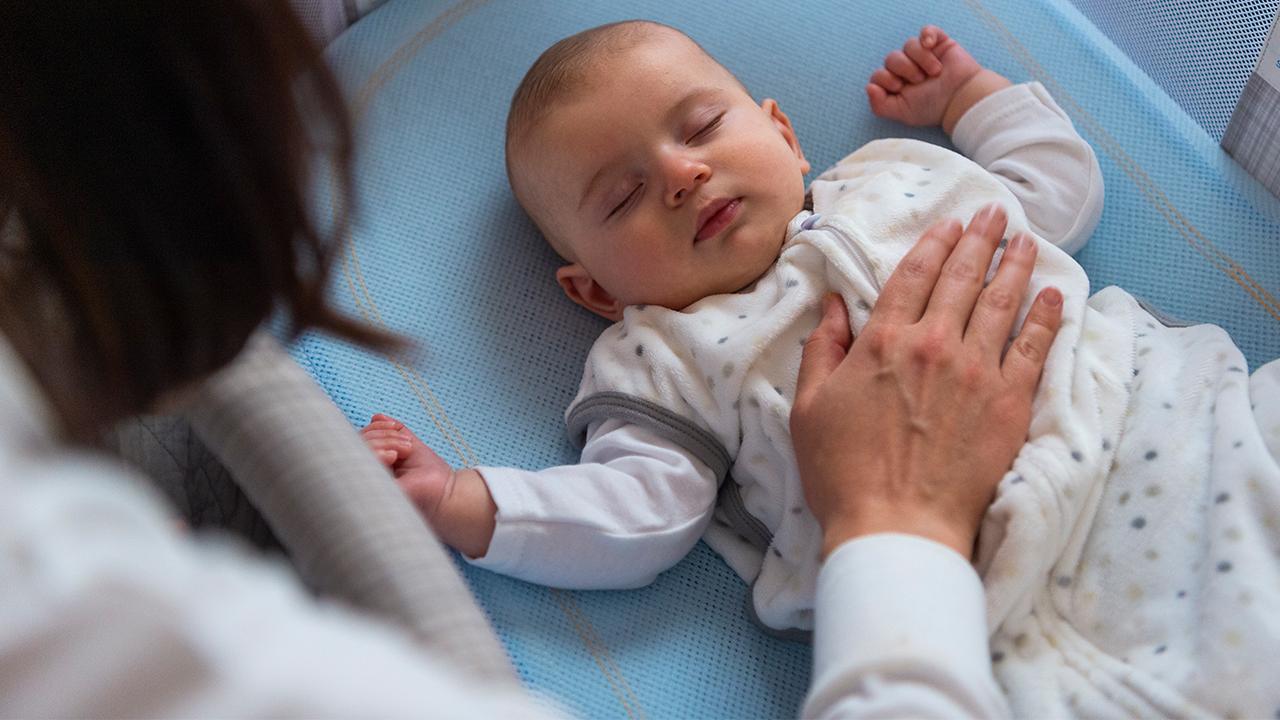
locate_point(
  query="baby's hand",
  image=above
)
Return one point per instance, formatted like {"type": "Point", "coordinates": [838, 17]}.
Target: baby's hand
{"type": "Point", "coordinates": [918, 82]}
{"type": "Point", "coordinates": [419, 471]}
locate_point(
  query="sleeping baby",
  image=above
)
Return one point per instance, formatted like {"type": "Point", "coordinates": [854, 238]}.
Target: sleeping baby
{"type": "Point", "coordinates": [1128, 558]}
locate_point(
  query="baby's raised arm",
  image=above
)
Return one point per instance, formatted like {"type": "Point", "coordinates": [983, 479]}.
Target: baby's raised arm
{"type": "Point", "coordinates": [1017, 132]}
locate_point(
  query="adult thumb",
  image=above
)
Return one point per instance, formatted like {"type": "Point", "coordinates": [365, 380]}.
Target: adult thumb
{"type": "Point", "coordinates": [825, 347]}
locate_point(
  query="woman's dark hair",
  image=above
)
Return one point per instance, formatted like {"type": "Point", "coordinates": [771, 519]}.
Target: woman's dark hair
{"type": "Point", "coordinates": [157, 161]}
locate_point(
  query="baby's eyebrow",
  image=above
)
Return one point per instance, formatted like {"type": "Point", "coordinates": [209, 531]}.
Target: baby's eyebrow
{"type": "Point", "coordinates": [673, 114]}
{"type": "Point", "coordinates": [691, 98]}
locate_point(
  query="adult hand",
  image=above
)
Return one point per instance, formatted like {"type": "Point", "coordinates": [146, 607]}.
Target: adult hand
{"type": "Point", "coordinates": [911, 428]}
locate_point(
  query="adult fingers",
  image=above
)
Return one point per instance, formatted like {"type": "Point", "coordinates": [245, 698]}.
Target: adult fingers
{"type": "Point", "coordinates": [923, 57]}
{"type": "Point", "coordinates": [824, 349]}
{"type": "Point", "coordinates": [906, 293]}
{"type": "Point", "coordinates": [962, 274]}
{"type": "Point", "coordinates": [1025, 358]}
{"type": "Point", "coordinates": [998, 303]}
{"type": "Point", "coordinates": [899, 64]}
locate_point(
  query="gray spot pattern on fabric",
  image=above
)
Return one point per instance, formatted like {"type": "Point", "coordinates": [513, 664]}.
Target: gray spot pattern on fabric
{"type": "Point", "coordinates": [1124, 497]}
{"type": "Point", "coordinates": [909, 194]}
{"type": "Point", "coordinates": [742, 317]}
{"type": "Point", "coordinates": [1224, 566]}
{"type": "Point", "coordinates": [1077, 456]}
{"type": "Point", "coordinates": [997, 656]}
{"type": "Point", "coordinates": [1161, 649]}
{"type": "Point", "coordinates": [727, 369]}
{"type": "Point", "coordinates": [864, 305]}
{"type": "Point", "coordinates": [639, 350]}
{"type": "Point", "coordinates": [1017, 479]}
{"type": "Point", "coordinates": [1106, 444]}
{"type": "Point", "coordinates": [1064, 581]}
{"type": "Point", "coordinates": [1151, 455]}
{"type": "Point", "coordinates": [792, 283]}
{"type": "Point", "coordinates": [1237, 444]}
{"type": "Point", "coordinates": [797, 510]}
{"type": "Point", "coordinates": [723, 340]}
{"type": "Point", "coordinates": [1221, 498]}
{"type": "Point", "coordinates": [1138, 523]}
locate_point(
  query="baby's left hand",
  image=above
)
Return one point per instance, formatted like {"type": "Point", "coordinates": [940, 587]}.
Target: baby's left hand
{"type": "Point", "coordinates": [917, 83]}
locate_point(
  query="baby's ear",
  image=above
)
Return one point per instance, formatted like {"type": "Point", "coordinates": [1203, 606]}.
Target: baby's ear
{"type": "Point", "coordinates": [581, 288]}
{"type": "Point", "coordinates": [783, 123]}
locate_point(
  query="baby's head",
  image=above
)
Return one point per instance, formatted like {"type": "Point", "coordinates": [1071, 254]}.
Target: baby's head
{"type": "Point", "coordinates": [650, 169]}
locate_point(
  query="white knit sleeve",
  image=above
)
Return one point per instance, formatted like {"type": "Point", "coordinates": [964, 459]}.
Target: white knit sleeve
{"type": "Point", "coordinates": [1021, 136]}
{"type": "Point", "coordinates": [632, 507]}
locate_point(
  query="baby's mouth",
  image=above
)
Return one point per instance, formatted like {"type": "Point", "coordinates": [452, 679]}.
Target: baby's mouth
{"type": "Point", "coordinates": [716, 216]}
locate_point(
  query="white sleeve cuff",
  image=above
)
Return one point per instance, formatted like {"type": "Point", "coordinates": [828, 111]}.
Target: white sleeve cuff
{"type": "Point", "coordinates": [901, 629]}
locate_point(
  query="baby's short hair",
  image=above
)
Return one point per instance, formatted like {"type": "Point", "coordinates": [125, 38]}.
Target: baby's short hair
{"type": "Point", "coordinates": [559, 71]}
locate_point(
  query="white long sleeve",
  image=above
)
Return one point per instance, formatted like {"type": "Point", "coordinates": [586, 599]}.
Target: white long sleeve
{"type": "Point", "coordinates": [633, 507]}
{"type": "Point", "coordinates": [1021, 136]}
{"type": "Point", "coordinates": [901, 632]}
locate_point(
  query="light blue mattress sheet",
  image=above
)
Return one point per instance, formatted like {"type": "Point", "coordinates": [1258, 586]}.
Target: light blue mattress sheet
{"type": "Point", "coordinates": [441, 253]}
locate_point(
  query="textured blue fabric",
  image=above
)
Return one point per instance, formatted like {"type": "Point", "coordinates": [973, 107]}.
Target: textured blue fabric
{"type": "Point", "coordinates": [440, 252]}
{"type": "Point", "coordinates": [1200, 52]}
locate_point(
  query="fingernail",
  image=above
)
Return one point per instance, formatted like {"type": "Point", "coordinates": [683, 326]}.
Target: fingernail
{"type": "Point", "coordinates": [1020, 243]}
{"type": "Point", "coordinates": [1052, 297]}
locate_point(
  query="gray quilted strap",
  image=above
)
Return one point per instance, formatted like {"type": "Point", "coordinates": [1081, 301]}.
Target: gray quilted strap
{"type": "Point", "coordinates": [348, 528]}
{"type": "Point", "coordinates": [653, 417]}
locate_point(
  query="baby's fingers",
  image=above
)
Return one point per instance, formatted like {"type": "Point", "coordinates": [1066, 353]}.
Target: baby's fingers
{"type": "Point", "coordinates": [886, 80]}
{"type": "Point", "coordinates": [904, 67]}
{"type": "Point", "coordinates": [923, 57]}
{"type": "Point", "coordinates": [884, 104]}
{"type": "Point", "coordinates": [932, 37]}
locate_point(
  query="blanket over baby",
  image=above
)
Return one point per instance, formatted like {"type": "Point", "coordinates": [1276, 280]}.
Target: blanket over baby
{"type": "Point", "coordinates": [1130, 557]}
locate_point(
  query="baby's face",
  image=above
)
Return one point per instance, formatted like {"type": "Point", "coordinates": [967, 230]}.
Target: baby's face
{"type": "Point", "coordinates": [665, 179]}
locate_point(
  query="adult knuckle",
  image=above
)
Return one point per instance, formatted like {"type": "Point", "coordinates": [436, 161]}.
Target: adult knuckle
{"type": "Point", "coordinates": [1029, 349]}
{"type": "Point", "coordinates": [914, 266]}
{"type": "Point", "coordinates": [932, 347]}
{"type": "Point", "coordinates": [1000, 298]}
{"type": "Point", "coordinates": [880, 340]}
{"type": "Point", "coordinates": [960, 268]}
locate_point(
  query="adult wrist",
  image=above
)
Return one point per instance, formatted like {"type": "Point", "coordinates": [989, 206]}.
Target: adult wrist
{"type": "Point", "coordinates": [945, 531]}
